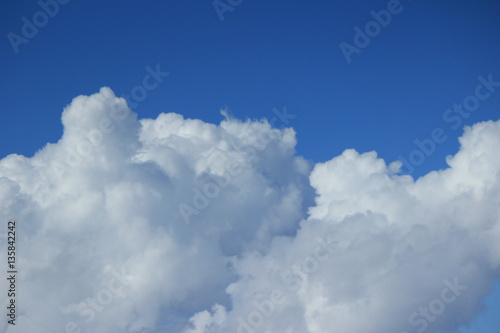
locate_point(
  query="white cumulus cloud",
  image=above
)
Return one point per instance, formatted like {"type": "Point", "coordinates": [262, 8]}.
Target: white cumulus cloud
{"type": "Point", "coordinates": [177, 225]}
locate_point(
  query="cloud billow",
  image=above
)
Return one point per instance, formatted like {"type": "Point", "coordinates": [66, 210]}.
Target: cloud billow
{"type": "Point", "coordinates": [281, 245]}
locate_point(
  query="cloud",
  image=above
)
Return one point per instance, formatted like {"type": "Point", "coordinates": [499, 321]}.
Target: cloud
{"type": "Point", "coordinates": [174, 224]}
{"type": "Point", "coordinates": [401, 249]}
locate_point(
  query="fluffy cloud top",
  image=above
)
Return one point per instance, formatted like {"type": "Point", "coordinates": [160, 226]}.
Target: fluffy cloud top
{"type": "Point", "coordinates": [176, 225]}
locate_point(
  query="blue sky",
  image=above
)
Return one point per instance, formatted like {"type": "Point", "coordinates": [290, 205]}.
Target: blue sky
{"type": "Point", "coordinates": [263, 55]}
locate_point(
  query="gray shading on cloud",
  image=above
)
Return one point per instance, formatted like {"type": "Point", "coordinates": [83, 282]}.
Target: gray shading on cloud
{"type": "Point", "coordinates": [281, 245]}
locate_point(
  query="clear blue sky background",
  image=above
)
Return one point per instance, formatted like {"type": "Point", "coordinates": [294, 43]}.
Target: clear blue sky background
{"type": "Point", "coordinates": [263, 55]}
